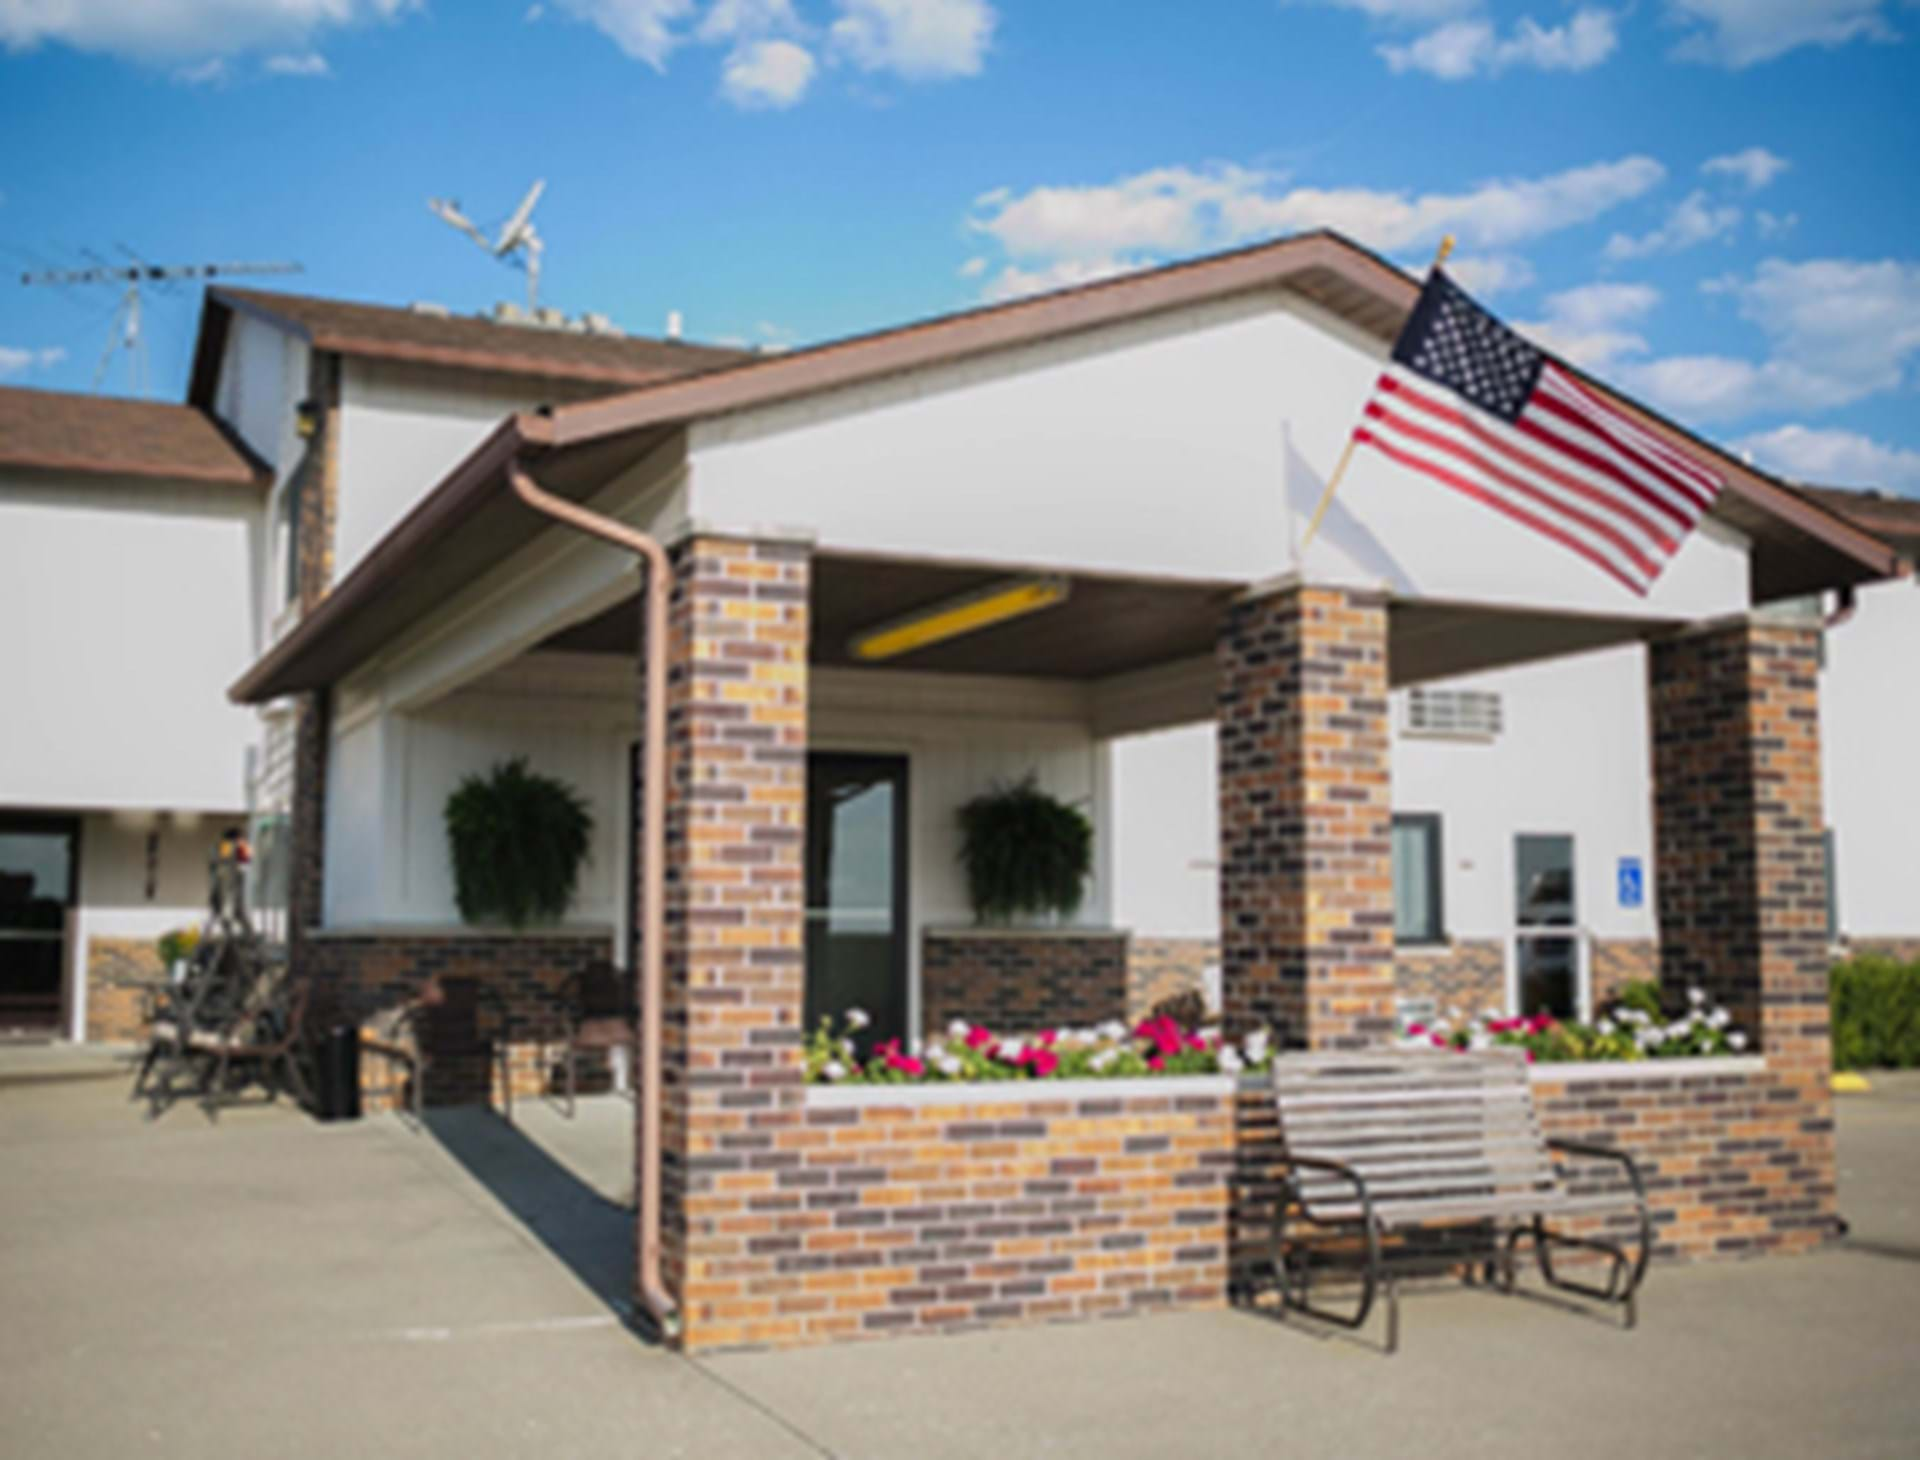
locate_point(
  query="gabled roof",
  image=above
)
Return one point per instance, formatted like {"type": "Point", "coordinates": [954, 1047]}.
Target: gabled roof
{"type": "Point", "coordinates": [1885, 515]}
{"type": "Point", "coordinates": [467, 342]}
{"type": "Point", "coordinates": [471, 521]}
{"type": "Point", "coordinates": [59, 431]}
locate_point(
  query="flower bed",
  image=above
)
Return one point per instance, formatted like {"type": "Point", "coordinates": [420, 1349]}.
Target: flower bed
{"type": "Point", "coordinates": [974, 1054]}
{"type": "Point", "coordinates": [1636, 1026]}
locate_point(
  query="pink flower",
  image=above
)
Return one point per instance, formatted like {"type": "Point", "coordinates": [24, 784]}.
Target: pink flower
{"type": "Point", "coordinates": [1439, 1040]}
{"type": "Point", "coordinates": [1154, 1062]}
{"type": "Point", "coordinates": [979, 1037]}
{"type": "Point", "coordinates": [1414, 1031]}
{"type": "Point", "coordinates": [1529, 1056]}
{"type": "Point", "coordinates": [1194, 1041]}
{"type": "Point", "coordinates": [1043, 1062]}
{"type": "Point", "coordinates": [1046, 1037]}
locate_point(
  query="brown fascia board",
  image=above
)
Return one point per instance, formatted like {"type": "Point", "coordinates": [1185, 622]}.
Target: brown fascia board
{"type": "Point", "coordinates": [459, 491]}
{"type": "Point", "coordinates": [249, 474]}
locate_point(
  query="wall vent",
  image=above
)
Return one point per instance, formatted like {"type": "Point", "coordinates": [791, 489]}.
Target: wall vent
{"type": "Point", "coordinates": [1461, 714]}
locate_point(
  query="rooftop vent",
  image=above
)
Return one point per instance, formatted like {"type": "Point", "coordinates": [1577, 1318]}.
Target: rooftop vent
{"type": "Point", "coordinates": [673, 324]}
{"type": "Point", "coordinates": [600, 324]}
{"type": "Point", "coordinates": [508, 313]}
{"type": "Point", "coordinates": [433, 311]}
{"type": "Point", "coordinates": [1458, 714]}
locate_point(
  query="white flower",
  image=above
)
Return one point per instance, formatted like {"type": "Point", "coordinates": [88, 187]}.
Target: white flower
{"type": "Point", "coordinates": [1256, 1044]}
{"type": "Point", "coordinates": [1719, 1019]}
{"type": "Point", "coordinates": [1605, 1026]}
{"type": "Point", "coordinates": [858, 1019]}
{"type": "Point", "coordinates": [947, 1063]}
{"type": "Point", "coordinates": [834, 1070]}
{"type": "Point", "coordinates": [1011, 1051]}
{"type": "Point", "coordinates": [1113, 1029]}
{"type": "Point", "coordinates": [1104, 1058]}
{"type": "Point", "coordinates": [1454, 1013]}
{"type": "Point", "coordinates": [959, 1029]}
{"type": "Point", "coordinates": [1736, 1040]}
{"type": "Point", "coordinates": [846, 1048]}
{"type": "Point", "coordinates": [1210, 1034]}
{"type": "Point", "coordinates": [1480, 1040]}
{"type": "Point", "coordinates": [1230, 1061]}
{"type": "Point", "coordinates": [1679, 1029]}
{"type": "Point", "coordinates": [1696, 996]}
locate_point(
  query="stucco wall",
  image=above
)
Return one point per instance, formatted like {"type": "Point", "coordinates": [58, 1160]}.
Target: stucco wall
{"type": "Point", "coordinates": [129, 601]}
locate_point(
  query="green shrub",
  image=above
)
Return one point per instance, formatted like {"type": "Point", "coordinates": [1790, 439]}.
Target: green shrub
{"type": "Point", "coordinates": [1876, 1013]}
{"type": "Point", "coordinates": [517, 839]}
{"type": "Point", "coordinates": [1025, 852]}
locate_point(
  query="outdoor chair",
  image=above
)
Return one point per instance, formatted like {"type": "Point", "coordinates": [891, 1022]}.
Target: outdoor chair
{"type": "Point", "coordinates": [600, 1006]}
{"type": "Point", "coordinates": [396, 1038]}
{"type": "Point", "coordinates": [1428, 1163]}
{"type": "Point", "coordinates": [264, 1046]}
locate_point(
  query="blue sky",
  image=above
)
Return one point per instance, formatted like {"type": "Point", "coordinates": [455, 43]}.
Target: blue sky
{"type": "Point", "coordinates": [1710, 202]}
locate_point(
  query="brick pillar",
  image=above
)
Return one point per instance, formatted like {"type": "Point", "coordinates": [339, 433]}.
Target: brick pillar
{"type": "Point", "coordinates": [1738, 826]}
{"type": "Point", "coordinates": [307, 821]}
{"type": "Point", "coordinates": [735, 955]}
{"type": "Point", "coordinates": [1306, 856]}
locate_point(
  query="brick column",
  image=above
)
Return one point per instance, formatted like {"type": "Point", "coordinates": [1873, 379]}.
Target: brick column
{"type": "Point", "coordinates": [307, 820]}
{"type": "Point", "coordinates": [1306, 856]}
{"type": "Point", "coordinates": [736, 802]}
{"type": "Point", "coordinates": [1738, 828]}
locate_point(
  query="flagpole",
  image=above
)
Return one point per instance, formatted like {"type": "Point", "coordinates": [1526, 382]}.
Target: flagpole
{"type": "Point", "coordinates": [1346, 455]}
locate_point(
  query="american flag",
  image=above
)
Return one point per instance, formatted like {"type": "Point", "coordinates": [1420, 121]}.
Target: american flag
{"type": "Point", "coordinates": [1474, 406]}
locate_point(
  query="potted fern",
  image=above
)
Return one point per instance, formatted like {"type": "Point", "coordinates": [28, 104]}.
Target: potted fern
{"type": "Point", "coordinates": [1026, 853]}
{"type": "Point", "coordinates": [518, 839]}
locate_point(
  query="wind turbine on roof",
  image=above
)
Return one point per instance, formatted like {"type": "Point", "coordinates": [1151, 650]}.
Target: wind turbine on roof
{"type": "Point", "coordinates": [517, 236]}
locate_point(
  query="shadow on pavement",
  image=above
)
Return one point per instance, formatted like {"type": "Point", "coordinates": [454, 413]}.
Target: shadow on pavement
{"type": "Point", "coordinates": [592, 1235]}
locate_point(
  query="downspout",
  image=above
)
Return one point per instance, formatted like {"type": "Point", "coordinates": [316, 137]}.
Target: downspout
{"type": "Point", "coordinates": [655, 596]}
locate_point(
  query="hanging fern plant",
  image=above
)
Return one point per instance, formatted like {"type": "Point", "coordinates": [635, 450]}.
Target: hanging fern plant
{"type": "Point", "coordinates": [518, 839]}
{"type": "Point", "coordinates": [1026, 853]}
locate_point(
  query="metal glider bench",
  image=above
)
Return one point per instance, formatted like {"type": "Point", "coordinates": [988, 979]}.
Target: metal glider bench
{"type": "Point", "coordinates": [1426, 1163]}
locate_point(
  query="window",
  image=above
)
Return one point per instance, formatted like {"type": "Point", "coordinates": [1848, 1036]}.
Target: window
{"type": "Point", "coordinates": [1416, 879]}
{"type": "Point", "coordinates": [1467, 714]}
{"type": "Point", "coordinates": [287, 536]}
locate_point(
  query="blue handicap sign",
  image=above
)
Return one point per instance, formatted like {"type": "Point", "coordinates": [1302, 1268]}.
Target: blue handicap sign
{"type": "Point", "coordinates": [1632, 882]}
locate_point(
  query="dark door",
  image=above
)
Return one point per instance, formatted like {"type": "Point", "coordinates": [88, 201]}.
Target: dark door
{"type": "Point", "coordinates": [1547, 941]}
{"type": "Point", "coordinates": [39, 864]}
{"type": "Point", "coordinates": [857, 890]}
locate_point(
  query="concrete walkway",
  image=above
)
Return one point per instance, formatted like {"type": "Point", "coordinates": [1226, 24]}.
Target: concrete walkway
{"type": "Point", "coordinates": [269, 1286]}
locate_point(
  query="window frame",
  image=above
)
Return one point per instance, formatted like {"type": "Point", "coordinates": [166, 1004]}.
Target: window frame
{"type": "Point", "coordinates": [1434, 824]}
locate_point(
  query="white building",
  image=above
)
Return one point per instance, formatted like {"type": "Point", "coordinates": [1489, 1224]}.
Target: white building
{"type": "Point", "coordinates": [339, 422]}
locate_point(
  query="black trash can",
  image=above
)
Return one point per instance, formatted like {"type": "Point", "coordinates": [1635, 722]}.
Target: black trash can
{"type": "Point", "coordinates": [336, 1083]}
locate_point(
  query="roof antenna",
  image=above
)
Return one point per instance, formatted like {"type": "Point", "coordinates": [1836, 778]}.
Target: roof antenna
{"type": "Point", "coordinates": [124, 333]}
{"type": "Point", "coordinates": [517, 236]}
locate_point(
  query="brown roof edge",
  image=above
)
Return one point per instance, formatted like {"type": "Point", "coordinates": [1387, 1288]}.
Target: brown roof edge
{"type": "Point", "coordinates": [976, 331]}
{"type": "Point", "coordinates": [373, 575]}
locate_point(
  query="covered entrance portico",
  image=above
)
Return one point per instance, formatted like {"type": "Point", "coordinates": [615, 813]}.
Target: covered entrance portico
{"type": "Point", "coordinates": [1121, 444]}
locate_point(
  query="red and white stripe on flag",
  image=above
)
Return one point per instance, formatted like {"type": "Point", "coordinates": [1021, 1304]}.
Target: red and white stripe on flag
{"type": "Point", "coordinates": [1570, 466]}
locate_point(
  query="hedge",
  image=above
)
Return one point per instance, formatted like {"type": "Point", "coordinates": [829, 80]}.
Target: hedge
{"type": "Point", "coordinates": [1876, 1013]}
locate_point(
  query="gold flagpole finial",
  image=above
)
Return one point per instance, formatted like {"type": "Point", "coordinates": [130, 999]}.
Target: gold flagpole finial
{"type": "Point", "coordinates": [1446, 248]}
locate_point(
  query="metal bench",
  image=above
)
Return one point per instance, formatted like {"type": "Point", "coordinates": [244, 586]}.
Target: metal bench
{"type": "Point", "coordinates": [1415, 1162]}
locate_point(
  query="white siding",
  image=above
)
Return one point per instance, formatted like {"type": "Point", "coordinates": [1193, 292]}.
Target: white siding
{"type": "Point", "coordinates": [1160, 446]}
{"type": "Point", "coordinates": [1870, 747]}
{"type": "Point", "coordinates": [127, 603]}
{"type": "Point", "coordinates": [263, 376]}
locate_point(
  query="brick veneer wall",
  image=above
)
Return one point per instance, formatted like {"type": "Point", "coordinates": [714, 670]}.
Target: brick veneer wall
{"type": "Point", "coordinates": [1164, 968]}
{"type": "Point", "coordinates": [891, 1218]}
{"type": "Point", "coordinates": [1022, 981]}
{"type": "Point", "coordinates": [1617, 962]}
{"type": "Point", "coordinates": [120, 972]}
{"type": "Point", "coordinates": [1470, 975]}
{"type": "Point", "coordinates": [736, 752]}
{"type": "Point", "coordinates": [1905, 950]}
{"type": "Point", "coordinates": [1306, 877]}
{"type": "Point", "coordinates": [363, 979]}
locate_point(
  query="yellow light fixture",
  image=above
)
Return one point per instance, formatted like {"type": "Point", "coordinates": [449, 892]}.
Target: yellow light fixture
{"type": "Point", "coordinates": [996, 604]}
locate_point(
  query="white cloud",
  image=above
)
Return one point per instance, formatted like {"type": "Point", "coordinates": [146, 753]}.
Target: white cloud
{"type": "Point", "coordinates": [915, 39]}
{"type": "Point", "coordinates": [15, 360]}
{"type": "Point", "coordinates": [1739, 33]}
{"type": "Point", "coordinates": [1180, 209]}
{"type": "Point", "coordinates": [1466, 48]}
{"type": "Point", "coordinates": [974, 267]}
{"type": "Point", "coordinates": [210, 72]}
{"type": "Point", "coordinates": [771, 74]}
{"type": "Point", "coordinates": [1692, 221]}
{"type": "Point", "coordinates": [642, 29]}
{"type": "Point", "coordinates": [1837, 330]}
{"type": "Point", "coordinates": [304, 63]}
{"type": "Point", "coordinates": [178, 32]}
{"type": "Point", "coordinates": [1588, 325]}
{"type": "Point", "coordinates": [1772, 225]}
{"type": "Point", "coordinates": [1834, 458]}
{"type": "Point", "coordinates": [1754, 166]}
{"type": "Point", "coordinates": [1014, 282]}
{"type": "Point", "coordinates": [728, 20]}
{"type": "Point", "coordinates": [1484, 274]}
{"type": "Point", "coordinates": [1408, 11]}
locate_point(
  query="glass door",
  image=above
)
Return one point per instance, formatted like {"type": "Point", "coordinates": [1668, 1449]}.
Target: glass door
{"type": "Point", "coordinates": [1546, 933]}
{"type": "Point", "coordinates": [38, 864]}
{"type": "Point", "coordinates": [857, 890]}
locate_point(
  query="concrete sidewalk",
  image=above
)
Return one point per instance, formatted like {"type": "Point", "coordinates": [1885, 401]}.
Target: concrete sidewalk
{"type": "Point", "coordinates": [267, 1285]}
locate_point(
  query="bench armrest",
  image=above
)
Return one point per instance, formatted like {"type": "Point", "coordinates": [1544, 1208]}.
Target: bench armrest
{"type": "Point", "coordinates": [1604, 1153]}
{"type": "Point", "coordinates": [1345, 1173]}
